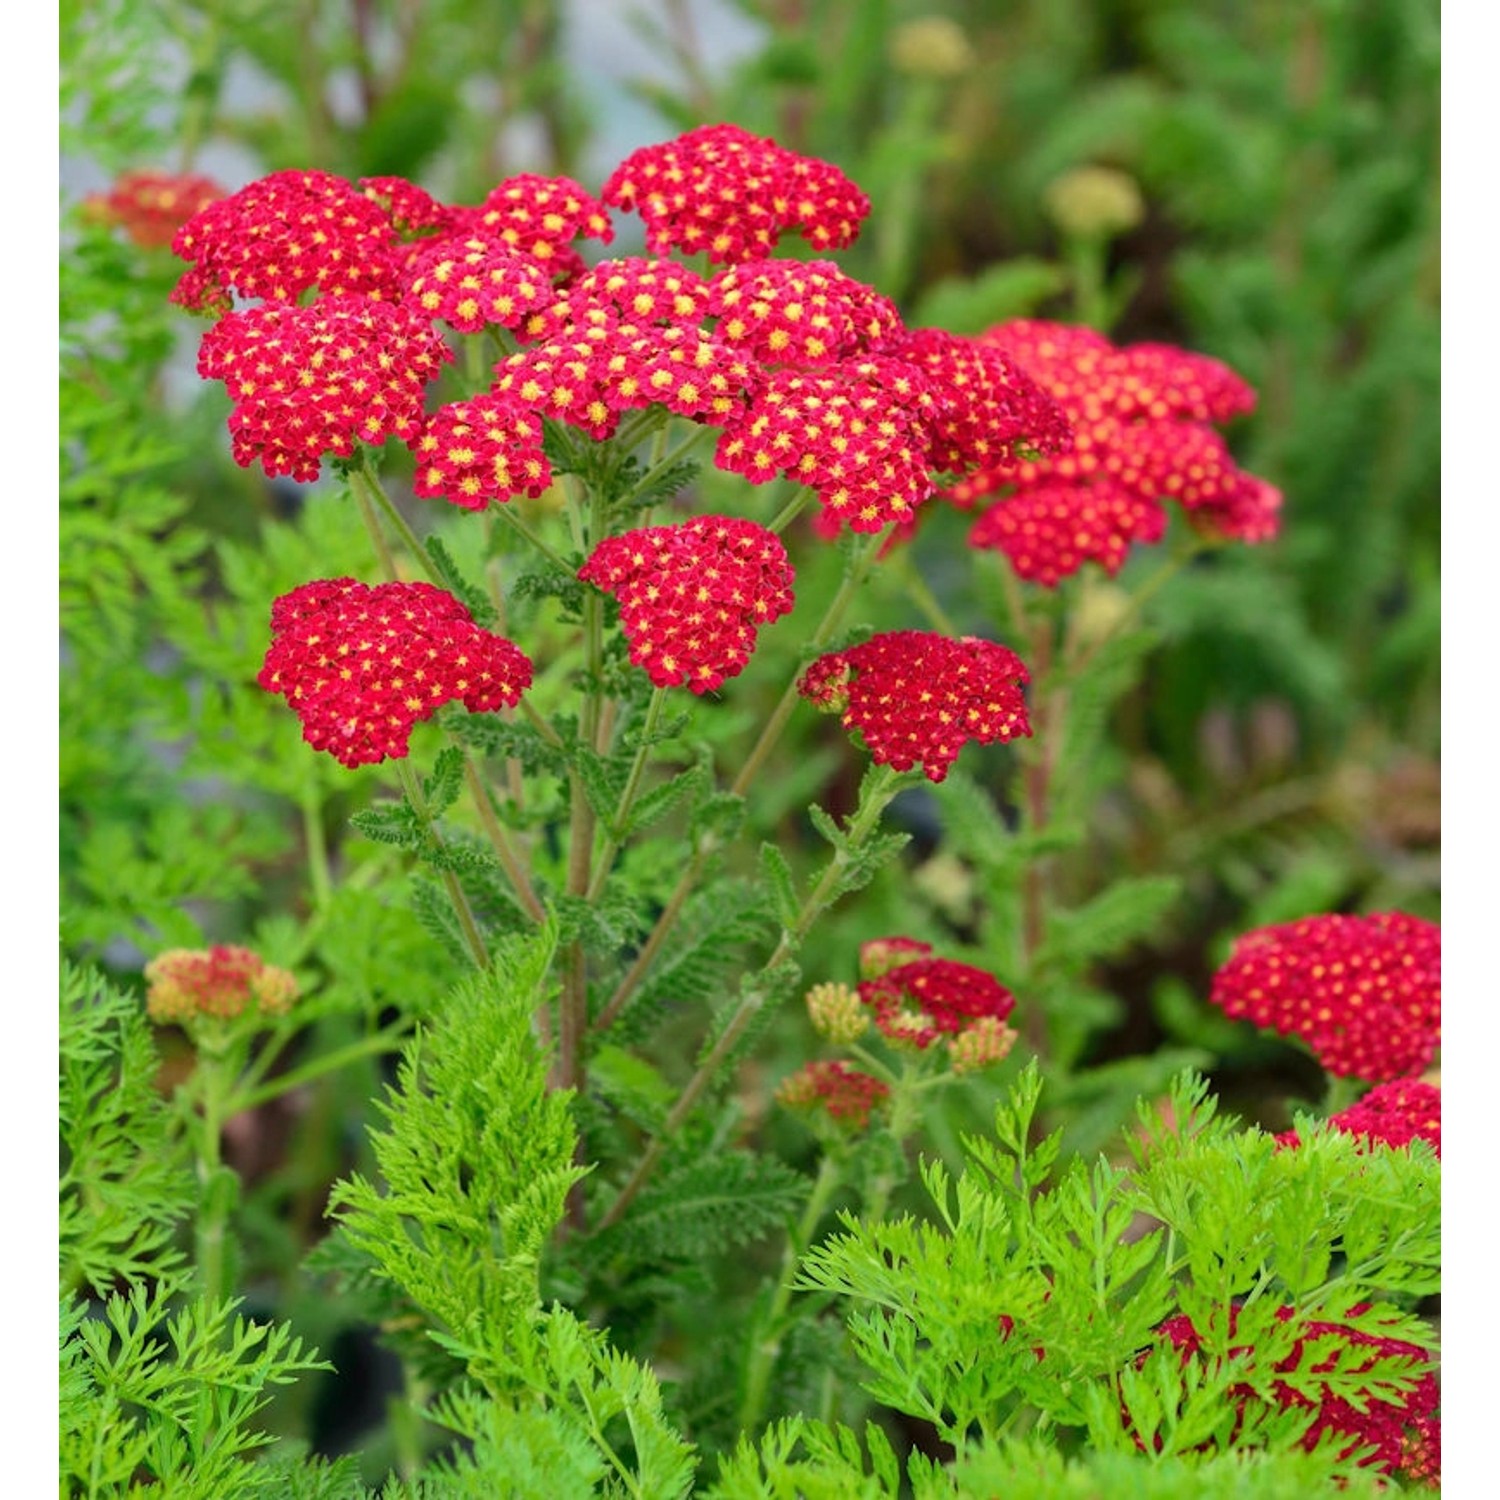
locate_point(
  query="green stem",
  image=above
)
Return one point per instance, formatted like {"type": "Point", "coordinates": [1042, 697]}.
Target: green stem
{"type": "Point", "coordinates": [378, 1042]}
{"type": "Point", "coordinates": [363, 497]}
{"type": "Point", "coordinates": [769, 1331]}
{"type": "Point", "coordinates": [925, 600]}
{"type": "Point", "coordinates": [212, 1225]}
{"type": "Point", "coordinates": [616, 830]}
{"type": "Point", "coordinates": [317, 847]}
{"type": "Point", "coordinates": [1340, 1094]}
{"type": "Point", "coordinates": [664, 463]}
{"type": "Point", "coordinates": [506, 511]}
{"type": "Point", "coordinates": [460, 902]}
{"type": "Point", "coordinates": [878, 792]}
{"type": "Point", "coordinates": [364, 478]}
{"type": "Point", "coordinates": [510, 861]}
{"type": "Point", "coordinates": [791, 510]}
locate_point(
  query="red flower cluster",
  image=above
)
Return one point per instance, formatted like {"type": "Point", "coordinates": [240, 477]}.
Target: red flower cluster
{"type": "Point", "coordinates": [1404, 1433]}
{"type": "Point", "coordinates": [924, 998]}
{"type": "Point", "coordinates": [1139, 416]}
{"type": "Point", "coordinates": [1392, 1114]}
{"type": "Point", "coordinates": [847, 1094]}
{"type": "Point", "coordinates": [799, 312]}
{"type": "Point", "coordinates": [220, 982]}
{"type": "Point", "coordinates": [721, 190]}
{"type": "Point", "coordinates": [306, 381]}
{"type": "Point", "coordinates": [598, 369]}
{"type": "Point", "coordinates": [472, 452]}
{"type": "Point", "coordinates": [541, 216]}
{"type": "Point", "coordinates": [360, 666]}
{"type": "Point", "coordinates": [918, 697]}
{"type": "Point", "coordinates": [152, 206]}
{"type": "Point", "coordinates": [1363, 992]}
{"type": "Point", "coordinates": [633, 289]}
{"type": "Point", "coordinates": [283, 234]}
{"type": "Point", "coordinates": [693, 595]}
{"type": "Point", "coordinates": [471, 283]}
{"type": "Point", "coordinates": [856, 431]}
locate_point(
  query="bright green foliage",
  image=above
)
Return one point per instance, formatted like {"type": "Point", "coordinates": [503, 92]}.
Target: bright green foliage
{"type": "Point", "coordinates": [124, 1185]}
{"type": "Point", "coordinates": [1035, 1291]}
{"type": "Point", "coordinates": [151, 1396]}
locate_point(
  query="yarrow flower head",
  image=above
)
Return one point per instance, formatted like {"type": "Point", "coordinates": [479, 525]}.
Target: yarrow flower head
{"type": "Point", "coordinates": [1391, 1114]}
{"type": "Point", "coordinates": [221, 982]}
{"type": "Point", "coordinates": [1140, 417]}
{"type": "Point", "coordinates": [1363, 992]}
{"type": "Point", "coordinates": [1403, 1432]}
{"type": "Point", "coordinates": [693, 595]}
{"type": "Point", "coordinates": [474, 283]}
{"type": "Point", "coordinates": [472, 452]}
{"type": "Point", "coordinates": [918, 1001]}
{"type": "Point", "coordinates": [918, 698]}
{"type": "Point", "coordinates": [845, 1094]}
{"type": "Point", "coordinates": [541, 216]}
{"type": "Point", "coordinates": [361, 665]}
{"type": "Point", "coordinates": [836, 1013]}
{"type": "Point", "coordinates": [282, 235]}
{"type": "Point", "coordinates": [731, 194]}
{"type": "Point", "coordinates": [306, 381]}
{"type": "Point", "coordinates": [856, 431]}
{"type": "Point", "coordinates": [634, 289]}
{"type": "Point", "coordinates": [799, 312]}
{"type": "Point", "coordinates": [152, 206]}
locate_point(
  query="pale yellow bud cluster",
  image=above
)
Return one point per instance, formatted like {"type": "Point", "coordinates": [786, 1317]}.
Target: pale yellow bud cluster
{"type": "Point", "coordinates": [1094, 202]}
{"type": "Point", "coordinates": [931, 47]}
{"type": "Point", "coordinates": [835, 1012]}
{"type": "Point", "coordinates": [981, 1045]}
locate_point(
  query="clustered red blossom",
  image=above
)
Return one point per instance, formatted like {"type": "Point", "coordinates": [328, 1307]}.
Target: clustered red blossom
{"type": "Point", "coordinates": [636, 290]}
{"type": "Point", "coordinates": [472, 452]}
{"type": "Point", "coordinates": [917, 698]}
{"type": "Point", "coordinates": [1404, 1433]}
{"type": "Point", "coordinates": [799, 312]}
{"type": "Point", "coordinates": [474, 283]}
{"type": "Point", "coordinates": [152, 206]}
{"type": "Point", "coordinates": [917, 1000]}
{"type": "Point", "coordinates": [1140, 418]}
{"type": "Point", "coordinates": [730, 194]}
{"type": "Point", "coordinates": [306, 381]}
{"type": "Point", "coordinates": [1363, 992]}
{"type": "Point", "coordinates": [220, 982]}
{"type": "Point", "coordinates": [360, 665]}
{"type": "Point", "coordinates": [693, 595]}
{"type": "Point", "coordinates": [845, 1093]}
{"type": "Point", "coordinates": [1391, 1114]}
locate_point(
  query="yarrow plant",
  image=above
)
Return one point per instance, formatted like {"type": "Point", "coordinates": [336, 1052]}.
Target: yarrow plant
{"type": "Point", "coordinates": [634, 450]}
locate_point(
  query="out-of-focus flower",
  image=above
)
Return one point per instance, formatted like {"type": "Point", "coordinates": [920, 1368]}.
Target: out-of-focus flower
{"type": "Point", "coordinates": [360, 665]}
{"type": "Point", "coordinates": [472, 452]}
{"type": "Point", "coordinates": [221, 982]}
{"type": "Point", "coordinates": [856, 431]}
{"type": "Point", "coordinates": [473, 283]}
{"type": "Point", "coordinates": [693, 595]}
{"type": "Point", "coordinates": [1094, 202]}
{"type": "Point", "coordinates": [799, 312]}
{"type": "Point", "coordinates": [931, 47]}
{"type": "Point", "coordinates": [919, 1001]}
{"type": "Point", "coordinates": [731, 194]}
{"type": "Point", "coordinates": [836, 1013]}
{"type": "Point", "coordinates": [1391, 1114]}
{"type": "Point", "coordinates": [1363, 992]}
{"type": "Point", "coordinates": [152, 206]}
{"type": "Point", "coordinates": [306, 381]}
{"type": "Point", "coordinates": [1404, 1432]}
{"type": "Point", "coordinates": [593, 372]}
{"type": "Point", "coordinates": [918, 697]}
{"type": "Point", "coordinates": [842, 1092]}
{"type": "Point", "coordinates": [282, 235]}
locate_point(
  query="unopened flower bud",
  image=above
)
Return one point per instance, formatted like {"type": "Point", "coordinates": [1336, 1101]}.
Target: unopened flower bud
{"type": "Point", "coordinates": [931, 47]}
{"type": "Point", "coordinates": [1094, 202]}
{"type": "Point", "coordinates": [836, 1013]}
{"type": "Point", "coordinates": [983, 1044]}
{"type": "Point", "coordinates": [845, 1093]}
{"type": "Point", "coordinates": [220, 982]}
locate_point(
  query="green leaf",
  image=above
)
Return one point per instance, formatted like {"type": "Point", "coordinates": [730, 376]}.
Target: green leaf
{"type": "Point", "coordinates": [778, 875]}
{"type": "Point", "coordinates": [471, 595]}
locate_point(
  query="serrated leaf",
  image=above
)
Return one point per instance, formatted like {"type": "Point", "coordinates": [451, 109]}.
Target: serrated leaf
{"type": "Point", "coordinates": [1124, 914]}
{"type": "Point", "coordinates": [470, 595]}
{"type": "Point", "coordinates": [778, 875]}
{"type": "Point", "coordinates": [391, 823]}
{"type": "Point", "coordinates": [660, 800]}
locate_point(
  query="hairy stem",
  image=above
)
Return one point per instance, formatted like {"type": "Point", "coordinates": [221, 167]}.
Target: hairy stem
{"type": "Point", "coordinates": [510, 860]}
{"type": "Point", "coordinates": [616, 830]}
{"type": "Point", "coordinates": [468, 927]}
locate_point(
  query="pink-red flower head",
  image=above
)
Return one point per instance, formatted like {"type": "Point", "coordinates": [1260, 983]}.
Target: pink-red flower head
{"type": "Point", "coordinates": [799, 312]}
{"type": "Point", "coordinates": [1391, 1114]}
{"type": "Point", "coordinates": [472, 452]}
{"type": "Point", "coordinates": [631, 290]}
{"type": "Point", "coordinates": [541, 216]}
{"type": "Point", "coordinates": [1403, 1432]}
{"type": "Point", "coordinates": [1363, 992]}
{"type": "Point", "coordinates": [917, 697]}
{"type": "Point", "coordinates": [727, 193]}
{"type": "Point", "coordinates": [306, 381]}
{"type": "Point", "coordinates": [844, 1093]}
{"type": "Point", "coordinates": [220, 982]}
{"type": "Point", "coordinates": [360, 665]}
{"type": "Point", "coordinates": [282, 235]}
{"type": "Point", "coordinates": [693, 595]}
{"type": "Point", "coordinates": [856, 431]}
{"type": "Point", "coordinates": [152, 206]}
{"type": "Point", "coordinates": [473, 283]}
{"type": "Point", "coordinates": [918, 1001]}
